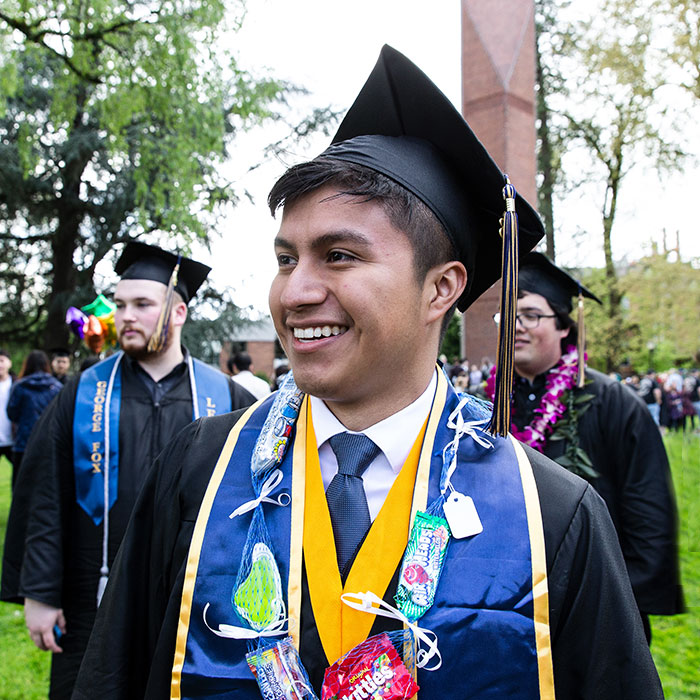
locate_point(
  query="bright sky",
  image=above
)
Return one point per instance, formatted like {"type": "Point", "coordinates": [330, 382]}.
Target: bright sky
{"type": "Point", "coordinates": [330, 48]}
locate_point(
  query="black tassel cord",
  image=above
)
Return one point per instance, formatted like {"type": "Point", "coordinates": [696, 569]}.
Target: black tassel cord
{"type": "Point", "coordinates": [500, 419]}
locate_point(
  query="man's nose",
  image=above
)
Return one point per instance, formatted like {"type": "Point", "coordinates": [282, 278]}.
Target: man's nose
{"type": "Point", "coordinates": [304, 286]}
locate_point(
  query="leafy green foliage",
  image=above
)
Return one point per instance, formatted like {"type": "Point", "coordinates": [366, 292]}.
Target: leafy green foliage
{"type": "Point", "coordinates": [451, 343]}
{"type": "Point", "coordinates": [574, 458]}
{"type": "Point", "coordinates": [658, 324]}
{"type": "Point", "coordinates": [605, 96]}
{"type": "Point", "coordinates": [115, 120]}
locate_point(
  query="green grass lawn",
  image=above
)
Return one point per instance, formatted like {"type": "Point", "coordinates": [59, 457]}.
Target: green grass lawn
{"type": "Point", "coordinates": [24, 670]}
{"type": "Point", "coordinates": [676, 640]}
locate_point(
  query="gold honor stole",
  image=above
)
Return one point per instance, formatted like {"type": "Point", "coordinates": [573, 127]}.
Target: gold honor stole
{"type": "Point", "coordinates": [307, 530]}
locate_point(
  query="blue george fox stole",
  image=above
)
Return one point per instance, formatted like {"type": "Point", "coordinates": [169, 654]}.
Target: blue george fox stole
{"type": "Point", "coordinates": [491, 611]}
{"type": "Point", "coordinates": [96, 425]}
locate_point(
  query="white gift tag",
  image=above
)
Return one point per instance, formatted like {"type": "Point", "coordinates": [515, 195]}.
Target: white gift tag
{"type": "Point", "coordinates": [461, 515]}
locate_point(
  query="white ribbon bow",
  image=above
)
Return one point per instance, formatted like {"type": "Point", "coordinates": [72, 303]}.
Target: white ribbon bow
{"type": "Point", "coordinates": [269, 485]}
{"type": "Point", "coordinates": [461, 427]}
{"type": "Point", "coordinates": [369, 602]}
{"type": "Point", "coordinates": [233, 632]}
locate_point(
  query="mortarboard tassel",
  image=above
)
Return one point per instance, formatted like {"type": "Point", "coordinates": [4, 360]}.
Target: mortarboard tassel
{"type": "Point", "coordinates": [581, 344]}
{"type": "Point", "coordinates": [500, 419]}
{"type": "Point", "coordinates": [160, 334]}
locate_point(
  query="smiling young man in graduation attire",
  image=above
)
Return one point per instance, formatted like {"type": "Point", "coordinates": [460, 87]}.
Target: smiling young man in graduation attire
{"type": "Point", "coordinates": [108, 424]}
{"type": "Point", "coordinates": [600, 431]}
{"type": "Point", "coordinates": [382, 235]}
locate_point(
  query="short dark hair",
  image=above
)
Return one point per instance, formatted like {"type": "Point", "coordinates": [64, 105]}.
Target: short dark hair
{"type": "Point", "coordinates": [429, 240]}
{"type": "Point", "coordinates": [241, 360]}
{"type": "Point", "coordinates": [5, 353]}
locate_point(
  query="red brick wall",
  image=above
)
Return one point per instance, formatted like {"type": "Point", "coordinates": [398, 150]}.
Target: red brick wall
{"type": "Point", "coordinates": [498, 101]}
{"type": "Point", "coordinates": [262, 353]}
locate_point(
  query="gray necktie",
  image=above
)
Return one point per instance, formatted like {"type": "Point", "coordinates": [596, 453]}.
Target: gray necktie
{"type": "Point", "coordinates": [346, 498]}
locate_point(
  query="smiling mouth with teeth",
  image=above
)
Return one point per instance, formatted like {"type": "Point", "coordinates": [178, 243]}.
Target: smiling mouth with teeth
{"type": "Point", "coordinates": [314, 332]}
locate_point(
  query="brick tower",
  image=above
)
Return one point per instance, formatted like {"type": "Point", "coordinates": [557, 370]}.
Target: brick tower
{"type": "Point", "coordinates": [498, 101]}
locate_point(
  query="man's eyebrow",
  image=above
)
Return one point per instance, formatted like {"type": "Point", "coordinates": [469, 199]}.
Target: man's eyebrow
{"type": "Point", "coordinates": [134, 299]}
{"type": "Point", "coordinates": [332, 237]}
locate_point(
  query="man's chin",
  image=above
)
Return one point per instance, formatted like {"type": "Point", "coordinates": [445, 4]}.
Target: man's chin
{"type": "Point", "coordinates": [136, 351]}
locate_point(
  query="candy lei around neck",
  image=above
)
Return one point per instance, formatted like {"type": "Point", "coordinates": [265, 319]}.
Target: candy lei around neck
{"type": "Point", "coordinates": [560, 379]}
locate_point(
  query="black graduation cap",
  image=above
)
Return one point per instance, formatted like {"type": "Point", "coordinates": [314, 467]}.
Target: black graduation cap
{"type": "Point", "coordinates": [148, 262]}
{"type": "Point", "coordinates": [539, 275]}
{"type": "Point", "coordinates": [404, 127]}
{"type": "Point", "coordinates": [60, 352]}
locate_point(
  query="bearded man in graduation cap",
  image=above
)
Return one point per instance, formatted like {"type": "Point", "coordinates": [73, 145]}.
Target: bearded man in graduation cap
{"type": "Point", "coordinates": [597, 428]}
{"type": "Point", "coordinates": [288, 535]}
{"type": "Point", "coordinates": [91, 454]}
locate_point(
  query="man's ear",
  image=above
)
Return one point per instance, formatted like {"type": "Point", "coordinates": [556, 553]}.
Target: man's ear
{"type": "Point", "coordinates": [444, 284]}
{"type": "Point", "coordinates": [179, 313]}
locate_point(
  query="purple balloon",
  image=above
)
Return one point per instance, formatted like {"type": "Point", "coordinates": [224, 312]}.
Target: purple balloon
{"type": "Point", "coordinates": [77, 321]}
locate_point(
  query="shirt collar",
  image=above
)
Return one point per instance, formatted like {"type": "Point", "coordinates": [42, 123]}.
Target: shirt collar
{"type": "Point", "coordinates": [389, 434]}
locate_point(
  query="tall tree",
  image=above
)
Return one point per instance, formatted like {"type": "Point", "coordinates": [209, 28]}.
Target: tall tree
{"type": "Point", "coordinates": [614, 117]}
{"type": "Point", "coordinates": [115, 118]}
{"type": "Point", "coordinates": [547, 81]}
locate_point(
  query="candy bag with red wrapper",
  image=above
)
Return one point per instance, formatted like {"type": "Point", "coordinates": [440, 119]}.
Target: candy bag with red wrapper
{"type": "Point", "coordinates": [373, 670]}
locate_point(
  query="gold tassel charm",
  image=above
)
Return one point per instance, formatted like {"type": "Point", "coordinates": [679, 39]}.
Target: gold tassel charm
{"type": "Point", "coordinates": [581, 344]}
{"type": "Point", "coordinates": [159, 338]}
{"type": "Point", "coordinates": [500, 419]}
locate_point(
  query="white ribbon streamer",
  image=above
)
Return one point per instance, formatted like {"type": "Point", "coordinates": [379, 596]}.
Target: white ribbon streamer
{"type": "Point", "coordinates": [369, 602]}
{"type": "Point", "coordinates": [233, 632]}
{"type": "Point", "coordinates": [269, 485]}
{"type": "Point", "coordinates": [461, 427]}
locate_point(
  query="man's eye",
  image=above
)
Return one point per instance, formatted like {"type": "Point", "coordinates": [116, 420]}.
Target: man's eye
{"type": "Point", "coordinates": [530, 317]}
{"type": "Point", "coordinates": [284, 259]}
{"type": "Point", "coordinates": [340, 256]}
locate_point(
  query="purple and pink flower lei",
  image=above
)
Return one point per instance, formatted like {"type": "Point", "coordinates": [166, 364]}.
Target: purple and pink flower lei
{"type": "Point", "coordinates": [560, 379]}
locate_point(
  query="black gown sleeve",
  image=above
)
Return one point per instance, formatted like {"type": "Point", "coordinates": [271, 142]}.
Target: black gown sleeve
{"type": "Point", "coordinates": [599, 649]}
{"type": "Point", "coordinates": [130, 653]}
{"type": "Point", "coordinates": [642, 499]}
{"type": "Point", "coordinates": [240, 397]}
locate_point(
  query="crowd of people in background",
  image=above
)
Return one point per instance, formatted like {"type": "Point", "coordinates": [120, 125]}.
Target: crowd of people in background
{"type": "Point", "coordinates": [672, 396]}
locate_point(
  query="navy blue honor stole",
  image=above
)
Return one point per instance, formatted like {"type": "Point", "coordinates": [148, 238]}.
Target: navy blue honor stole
{"type": "Point", "coordinates": [96, 426]}
{"type": "Point", "coordinates": [491, 608]}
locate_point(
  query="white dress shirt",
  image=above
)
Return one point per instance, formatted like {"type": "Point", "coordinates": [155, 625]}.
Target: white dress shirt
{"type": "Point", "coordinates": [259, 388]}
{"type": "Point", "coordinates": [394, 436]}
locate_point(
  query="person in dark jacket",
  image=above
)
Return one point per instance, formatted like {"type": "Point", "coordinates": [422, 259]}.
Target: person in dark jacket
{"type": "Point", "coordinates": [28, 399]}
{"type": "Point", "coordinates": [597, 429]}
{"type": "Point", "coordinates": [108, 424]}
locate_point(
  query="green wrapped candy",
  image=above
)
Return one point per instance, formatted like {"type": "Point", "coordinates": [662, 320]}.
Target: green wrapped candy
{"type": "Point", "coordinates": [422, 565]}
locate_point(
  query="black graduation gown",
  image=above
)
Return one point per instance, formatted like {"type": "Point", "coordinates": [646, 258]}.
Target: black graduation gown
{"type": "Point", "coordinates": [53, 548]}
{"type": "Point", "coordinates": [599, 648]}
{"type": "Point", "coordinates": [619, 435]}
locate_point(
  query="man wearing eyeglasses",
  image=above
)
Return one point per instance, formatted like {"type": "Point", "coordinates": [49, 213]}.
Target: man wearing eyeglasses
{"type": "Point", "coordinates": [597, 428]}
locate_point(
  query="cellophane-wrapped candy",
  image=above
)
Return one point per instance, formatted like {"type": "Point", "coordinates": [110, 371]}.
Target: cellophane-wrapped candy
{"type": "Point", "coordinates": [279, 672]}
{"type": "Point", "coordinates": [373, 670]}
